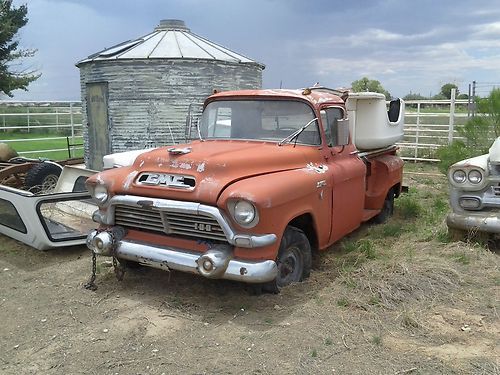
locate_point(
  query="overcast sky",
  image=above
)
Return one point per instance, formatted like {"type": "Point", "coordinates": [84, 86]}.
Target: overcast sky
{"type": "Point", "coordinates": [408, 45]}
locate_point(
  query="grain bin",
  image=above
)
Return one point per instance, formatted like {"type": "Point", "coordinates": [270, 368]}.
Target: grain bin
{"type": "Point", "coordinates": [136, 94]}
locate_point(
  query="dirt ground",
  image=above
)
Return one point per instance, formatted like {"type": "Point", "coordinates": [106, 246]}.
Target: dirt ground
{"type": "Point", "coordinates": [413, 305]}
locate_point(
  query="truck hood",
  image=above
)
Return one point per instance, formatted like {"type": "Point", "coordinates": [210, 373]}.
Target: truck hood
{"type": "Point", "coordinates": [214, 165]}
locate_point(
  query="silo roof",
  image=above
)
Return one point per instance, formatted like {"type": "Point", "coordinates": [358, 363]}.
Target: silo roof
{"type": "Point", "coordinates": [171, 39]}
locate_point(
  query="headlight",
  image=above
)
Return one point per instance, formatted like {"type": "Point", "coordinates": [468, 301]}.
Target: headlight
{"type": "Point", "coordinates": [100, 193]}
{"type": "Point", "coordinates": [475, 176]}
{"type": "Point", "coordinates": [244, 213]}
{"type": "Point", "coordinates": [459, 176]}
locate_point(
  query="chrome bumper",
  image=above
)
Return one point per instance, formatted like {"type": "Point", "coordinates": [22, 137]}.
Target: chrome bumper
{"type": "Point", "coordinates": [216, 263]}
{"type": "Point", "coordinates": [484, 223]}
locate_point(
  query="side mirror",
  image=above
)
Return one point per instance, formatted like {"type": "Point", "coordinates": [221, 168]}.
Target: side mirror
{"type": "Point", "coordinates": [342, 132]}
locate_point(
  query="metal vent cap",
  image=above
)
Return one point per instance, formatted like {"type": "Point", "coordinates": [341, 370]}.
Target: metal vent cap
{"type": "Point", "coordinates": [171, 24]}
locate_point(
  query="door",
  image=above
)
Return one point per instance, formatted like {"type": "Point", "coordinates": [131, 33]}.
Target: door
{"type": "Point", "coordinates": [347, 178]}
{"type": "Point", "coordinates": [98, 123]}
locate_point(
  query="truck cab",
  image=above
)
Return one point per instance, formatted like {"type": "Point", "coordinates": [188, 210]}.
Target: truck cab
{"type": "Point", "coordinates": [274, 176]}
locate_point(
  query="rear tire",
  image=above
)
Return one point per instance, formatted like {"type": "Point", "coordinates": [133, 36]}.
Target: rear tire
{"type": "Point", "coordinates": [387, 209]}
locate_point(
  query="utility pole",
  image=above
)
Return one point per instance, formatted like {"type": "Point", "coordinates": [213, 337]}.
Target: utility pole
{"type": "Point", "coordinates": [473, 98]}
{"type": "Point", "coordinates": [469, 102]}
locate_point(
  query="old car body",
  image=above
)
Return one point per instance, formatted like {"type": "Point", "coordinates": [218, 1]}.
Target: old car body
{"type": "Point", "coordinates": [475, 193]}
{"type": "Point", "coordinates": [273, 177]}
{"type": "Point", "coordinates": [46, 220]}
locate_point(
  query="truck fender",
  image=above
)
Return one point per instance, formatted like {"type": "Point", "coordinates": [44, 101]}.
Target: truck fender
{"type": "Point", "coordinates": [283, 196]}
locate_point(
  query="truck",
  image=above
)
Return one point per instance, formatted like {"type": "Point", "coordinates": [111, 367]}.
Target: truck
{"type": "Point", "coordinates": [273, 177]}
{"type": "Point", "coordinates": [475, 196]}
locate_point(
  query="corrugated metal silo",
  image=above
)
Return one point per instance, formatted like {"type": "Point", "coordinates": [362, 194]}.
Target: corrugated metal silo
{"type": "Point", "coordinates": [136, 94]}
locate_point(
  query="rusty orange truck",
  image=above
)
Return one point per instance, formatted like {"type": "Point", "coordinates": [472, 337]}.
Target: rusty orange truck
{"type": "Point", "coordinates": [275, 176]}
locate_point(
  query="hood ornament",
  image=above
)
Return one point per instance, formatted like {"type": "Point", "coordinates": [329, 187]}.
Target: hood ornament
{"type": "Point", "coordinates": [179, 151]}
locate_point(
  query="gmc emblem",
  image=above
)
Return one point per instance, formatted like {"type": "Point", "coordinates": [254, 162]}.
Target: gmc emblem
{"type": "Point", "coordinates": [170, 180]}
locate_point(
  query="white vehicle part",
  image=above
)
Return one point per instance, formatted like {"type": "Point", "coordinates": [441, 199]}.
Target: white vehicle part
{"type": "Point", "coordinates": [369, 122]}
{"type": "Point", "coordinates": [58, 219]}
{"type": "Point", "coordinates": [122, 159]}
{"type": "Point", "coordinates": [495, 152]}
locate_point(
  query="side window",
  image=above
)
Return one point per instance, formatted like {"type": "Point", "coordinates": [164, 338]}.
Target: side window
{"type": "Point", "coordinates": [329, 117]}
{"type": "Point", "coordinates": [10, 217]}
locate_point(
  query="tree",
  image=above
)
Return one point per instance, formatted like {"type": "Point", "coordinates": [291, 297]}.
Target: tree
{"type": "Point", "coordinates": [440, 96]}
{"type": "Point", "coordinates": [412, 96]}
{"type": "Point", "coordinates": [366, 84]}
{"type": "Point", "coordinates": [11, 20]}
{"type": "Point", "coordinates": [477, 134]}
{"type": "Point", "coordinates": [446, 90]}
{"type": "Point", "coordinates": [489, 109]}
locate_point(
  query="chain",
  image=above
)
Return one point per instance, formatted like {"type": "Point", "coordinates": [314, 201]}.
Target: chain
{"type": "Point", "coordinates": [119, 269]}
{"type": "Point", "coordinates": [90, 285]}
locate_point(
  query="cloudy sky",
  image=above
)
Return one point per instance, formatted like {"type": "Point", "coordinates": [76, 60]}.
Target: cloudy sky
{"type": "Point", "coordinates": [408, 45]}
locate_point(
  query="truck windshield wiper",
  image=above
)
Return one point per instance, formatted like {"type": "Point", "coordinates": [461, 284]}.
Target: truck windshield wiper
{"type": "Point", "coordinates": [296, 133]}
{"type": "Point", "coordinates": [199, 130]}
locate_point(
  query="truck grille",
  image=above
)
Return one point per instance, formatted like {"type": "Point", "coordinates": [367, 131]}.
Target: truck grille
{"type": "Point", "coordinates": [182, 224]}
{"type": "Point", "coordinates": [496, 190]}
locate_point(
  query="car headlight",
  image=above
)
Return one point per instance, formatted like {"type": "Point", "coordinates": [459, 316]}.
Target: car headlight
{"type": "Point", "coordinates": [475, 176]}
{"type": "Point", "coordinates": [244, 213]}
{"type": "Point", "coordinates": [459, 176]}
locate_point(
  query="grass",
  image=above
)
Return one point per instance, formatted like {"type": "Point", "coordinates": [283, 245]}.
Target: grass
{"type": "Point", "coordinates": [376, 340]}
{"type": "Point", "coordinates": [409, 205]}
{"type": "Point", "coordinates": [419, 216]}
{"type": "Point", "coordinates": [29, 145]}
{"type": "Point", "coordinates": [342, 302]}
{"type": "Point", "coordinates": [383, 267]}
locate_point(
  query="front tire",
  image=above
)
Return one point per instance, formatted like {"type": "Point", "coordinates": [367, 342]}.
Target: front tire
{"type": "Point", "coordinates": [294, 260]}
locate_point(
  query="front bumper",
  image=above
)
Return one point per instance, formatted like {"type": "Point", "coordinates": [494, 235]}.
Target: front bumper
{"type": "Point", "coordinates": [215, 263]}
{"type": "Point", "coordinates": [483, 222]}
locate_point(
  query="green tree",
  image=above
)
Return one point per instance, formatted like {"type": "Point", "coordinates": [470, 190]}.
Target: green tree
{"type": "Point", "coordinates": [372, 85]}
{"type": "Point", "coordinates": [446, 90]}
{"type": "Point", "coordinates": [477, 133]}
{"type": "Point", "coordinates": [414, 96]}
{"type": "Point", "coordinates": [439, 96]}
{"type": "Point", "coordinates": [489, 109]}
{"type": "Point", "coordinates": [11, 20]}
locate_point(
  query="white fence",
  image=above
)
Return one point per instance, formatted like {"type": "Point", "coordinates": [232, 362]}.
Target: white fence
{"type": "Point", "coordinates": [429, 125]}
{"type": "Point", "coordinates": [42, 128]}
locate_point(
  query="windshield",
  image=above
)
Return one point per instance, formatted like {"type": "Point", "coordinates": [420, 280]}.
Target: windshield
{"type": "Point", "coordinates": [269, 120]}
